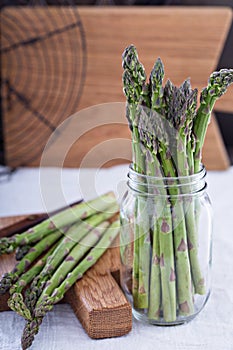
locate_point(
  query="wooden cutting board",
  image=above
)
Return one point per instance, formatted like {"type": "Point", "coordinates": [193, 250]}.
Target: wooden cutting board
{"type": "Point", "coordinates": [96, 299]}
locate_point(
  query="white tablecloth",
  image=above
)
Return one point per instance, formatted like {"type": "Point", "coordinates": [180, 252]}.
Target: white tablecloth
{"type": "Point", "coordinates": [211, 329]}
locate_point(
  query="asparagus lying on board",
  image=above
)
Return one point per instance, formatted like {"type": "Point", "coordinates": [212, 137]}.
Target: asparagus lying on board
{"type": "Point", "coordinates": [10, 277]}
{"type": "Point", "coordinates": [57, 221]}
{"type": "Point", "coordinates": [71, 239]}
{"type": "Point", "coordinates": [52, 261]}
{"type": "Point", "coordinates": [168, 133]}
{"type": "Point", "coordinates": [21, 251]}
{"type": "Point", "coordinates": [74, 256]}
{"type": "Point", "coordinates": [46, 303]}
{"type": "Point", "coordinates": [16, 300]}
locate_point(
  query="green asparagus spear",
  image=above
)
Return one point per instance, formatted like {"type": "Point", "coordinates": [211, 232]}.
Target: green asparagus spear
{"type": "Point", "coordinates": [73, 236]}
{"type": "Point", "coordinates": [156, 88]}
{"type": "Point", "coordinates": [74, 256]}
{"type": "Point", "coordinates": [217, 86]}
{"type": "Point", "coordinates": [180, 106]}
{"type": "Point", "coordinates": [136, 92]}
{"type": "Point", "coordinates": [95, 253]}
{"type": "Point", "coordinates": [21, 251]}
{"type": "Point", "coordinates": [9, 278]}
{"type": "Point", "coordinates": [16, 302]}
{"type": "Point", "coordinates": [181, 112]}
{"type": "Point", "coordinates": [58, 221]}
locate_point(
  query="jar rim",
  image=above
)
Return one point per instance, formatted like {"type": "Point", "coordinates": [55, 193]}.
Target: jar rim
{"type": "Point", "coordinates": [197, 176]}
{"type": "Point", "coordinates": [152, 185]}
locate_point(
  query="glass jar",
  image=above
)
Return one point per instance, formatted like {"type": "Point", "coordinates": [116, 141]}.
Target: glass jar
{"type": "Point", "coordinates": [165, 246]}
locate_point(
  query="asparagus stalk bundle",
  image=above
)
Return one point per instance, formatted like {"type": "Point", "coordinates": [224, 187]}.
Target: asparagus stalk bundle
{"type": "Point", "coordinates": [56, 258]}
{"type": "Point", "coordinates": [168, 131]}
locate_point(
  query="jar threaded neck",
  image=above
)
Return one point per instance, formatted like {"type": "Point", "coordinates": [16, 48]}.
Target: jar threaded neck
{"type": "Point", "coordinates": [154, 185]}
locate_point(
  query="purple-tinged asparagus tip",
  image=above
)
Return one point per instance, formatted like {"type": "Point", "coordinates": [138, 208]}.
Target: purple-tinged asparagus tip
{"type": "Point", "coordinates": [184, 307]}
{"type": "Point", "coordinates": [27, 263]}
{"type": "Point", "coordinates": [84, 215]}
{"type": "Point", "coordinates": [157, 313]}
{"type": "Point", "coordinates": [165, 228]}
{"type": "Point", "coordinates": [201, 282]}
{"type": "Point", "coordinates": [69, 258]}
{"type": "Point", "coordinates": [156, 260]}
{"type": "Point", "coordinates": [55, 292]}
{"type": "Point", "coordinates": [47, 284]}
{"type": "Point", "coordinates": [60, 279]}
{"type": "Point", "coordinates": [89, 258]}
{"type": "Point", "coordinates": [142, 290]}
{"type": "Point", "coordinates": [67, 239]}
{"type": "Point", "coordinates": [80, 275]}
{"type": "Point", "coordinates": [22, 283]}
{"type": "Point", "coordinates": [180, 146]}
{"type": "Point", "coordinates": [23, 242]}
{"type": "Point", "coordinates": [32, 250]}
{"type": "Point", "coordinates": [190, 245]}
{"type": "Point", "coordinates": [67, 286]}
{"type": "Point", "coordinates": [162, 260]}
{"type": "Point", "coordinates": [51, 225]}
{"type": "Point", "coordinates": [182, 246]}
{"type": "Point", "coordinates": [97, 233]}
{"type": "Point", "coordinates": [172, 275]}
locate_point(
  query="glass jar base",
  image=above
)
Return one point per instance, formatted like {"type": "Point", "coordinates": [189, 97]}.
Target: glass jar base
{"type": "Point", "coordinates": [160, 322]}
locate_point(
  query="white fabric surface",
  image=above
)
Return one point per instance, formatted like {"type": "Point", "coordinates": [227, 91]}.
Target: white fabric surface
{"type": "Point", "coordinates": [212, 329]}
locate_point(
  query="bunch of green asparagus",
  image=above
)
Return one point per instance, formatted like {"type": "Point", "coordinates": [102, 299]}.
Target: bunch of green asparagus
{"type": "Point", "coordinates": [58, 252]}
{"type": "Point", "coordinates": [168, 131]}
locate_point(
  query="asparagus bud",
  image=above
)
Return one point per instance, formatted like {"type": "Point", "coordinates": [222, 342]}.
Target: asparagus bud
{"type": "Point", "coordinates": [156, 80]}
{"type": "Point", "coordinates": [130, 62]}
{"type": "Point", "coordinates": [9, 278]}
{"type": "Point", "coordinates": [217, 86]}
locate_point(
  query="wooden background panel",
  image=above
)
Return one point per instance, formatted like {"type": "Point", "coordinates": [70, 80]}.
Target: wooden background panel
{"type": "Point", "coordinates": [42, 67]}
{"type": "Point", "coordinates": [156, 32]}
{"type": "Point", "coordinates": [225, 104]}
{"type": "Point", "coordinates": [215, 156]}
{"type": "Point", "coordinates": [189, 41]}
{"type": "Point", "coordinates": [97, 136]}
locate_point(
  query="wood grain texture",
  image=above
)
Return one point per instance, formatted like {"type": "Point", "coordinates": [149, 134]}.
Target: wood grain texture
{"type": "Point", "coordinates": [214, 151]}
{"type": "Point", "coordinates": [16, 224]}
{"type": "Point", "coordinates": [188, 44]}
{"type": "Point", "coordinates": [7, 263]}
{"type": "Point", "coordinates": [96, 299]}
{"type": "Point", "coordinates": [188, 39]}
{"type": "Point", "coordinates": [225, 104]}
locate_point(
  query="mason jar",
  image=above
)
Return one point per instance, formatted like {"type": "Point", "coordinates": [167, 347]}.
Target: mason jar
{"type": "Point", "coordinates": [165, 246]}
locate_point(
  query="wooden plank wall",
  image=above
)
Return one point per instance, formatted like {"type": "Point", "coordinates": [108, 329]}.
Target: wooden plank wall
{"type": "Point", "coordinates": [189, 41]}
